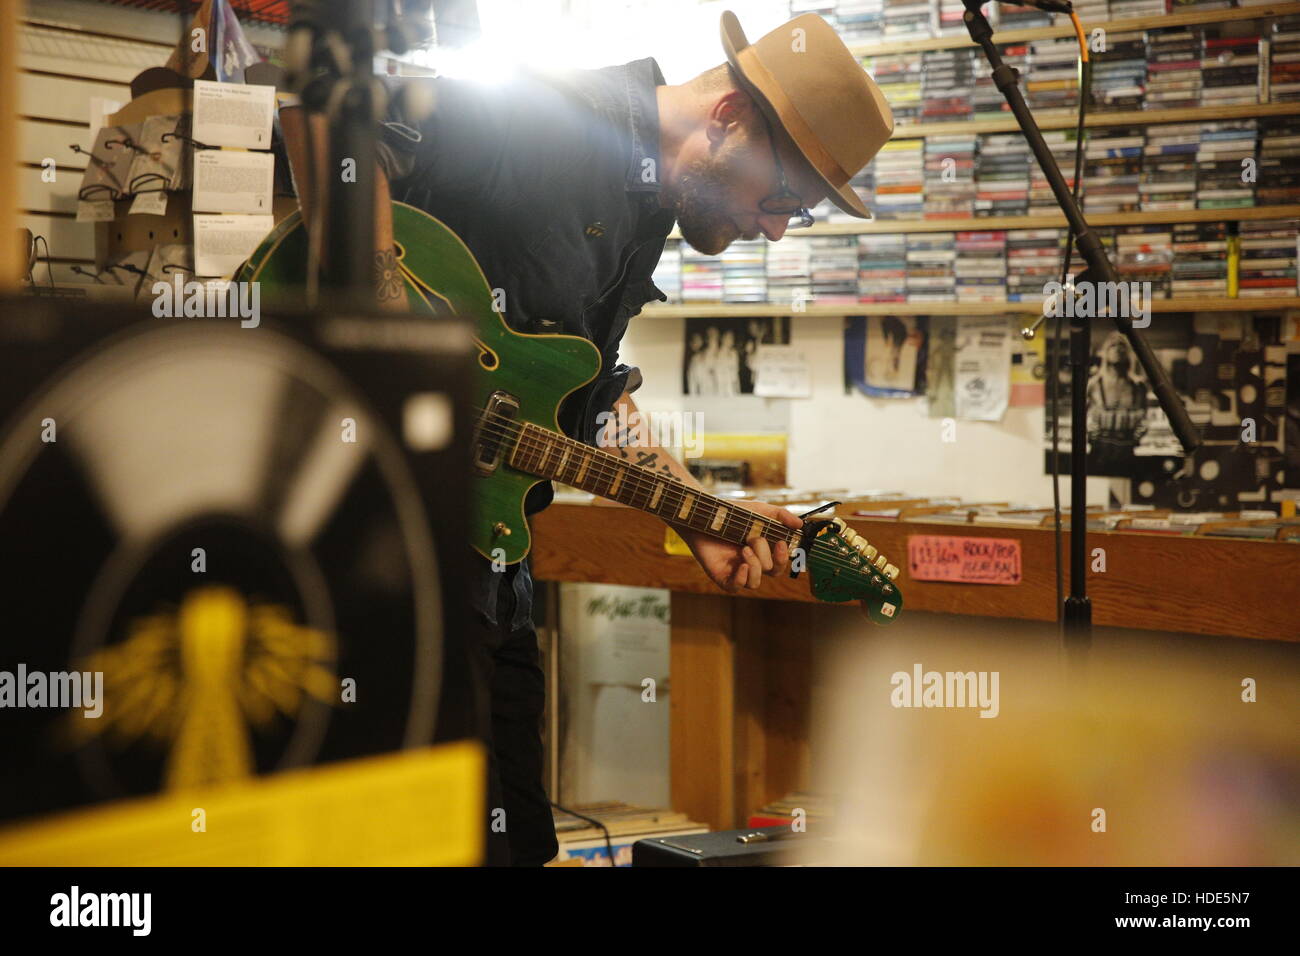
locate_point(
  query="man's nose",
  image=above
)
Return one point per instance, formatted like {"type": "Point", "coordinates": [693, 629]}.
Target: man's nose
{"type": "Point", "coordinates": [773, 227]}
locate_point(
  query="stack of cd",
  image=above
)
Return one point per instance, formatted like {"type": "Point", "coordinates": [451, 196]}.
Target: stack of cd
{"type": "Point", "coordinates": [1284, 60]}
{"type": "Point", "coordinates": [1129, 9]}
{"type": "Point", "coordinates": [858, 21]}
{"type": "Point", "coordinates": [909, 19]}
{"type": "Point", "coordinates": [946, 79]}
{"type": "Point", "coordinates": [1278, 182]}
{"type": "Point", "coordinates": [981, 266]}
{"type": "Point", "coordinates": [1145, 254]}
{"type": "Point", "coordinates": [1113, 169]}
{"type": "Point", "coordinates": [900, 184]}
{"type": "Point", "coordinates": [1230, 70]}
{"type": "Point", "coordinates": [950, 23]}
{"type": "Point", "coordinates": [701, 276]}
{"type": "Point", "coordinates": [1200, 266]}
{"type": "Point", "coordinates": [1173, 68]}
{"type": "Point", "coordinates": [1002, 176]}
{"type": "Point", "coordinates": [950, 177]}
{"type": "Point", "coordinates": [1268, 258]}
{"type": "Point", "coordinates": [882, 268]}
{"type": "Point", "coordinates": [1225, 163]}
{"type": "Point", "coordinates": [1033, 260]}
{"type": "Point", "coordinates": [1021, 18]}
{"type": "Point", "coordinates": [834, 269]}
{"type": "Point", "coordinates": [1053, 78]}
{"type": "Point", "coordinates": [743, 276]}
{"type": "Point", "coordinates": [899, 78]}
{"type": "Point", "coordinates": [1119, 73]}
{"type": "Point", "coordinates": [1169, 167]}
{"type": "Point", "coordinates": [789, 270]}
{"type": "Point", "coordinates": [930, 258]}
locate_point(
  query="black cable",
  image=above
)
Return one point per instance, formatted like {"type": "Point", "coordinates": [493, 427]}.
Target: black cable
{"type": "Point", "coordinates": [49, 268]}
{"type": "Point", "coordinates": [609, 845]}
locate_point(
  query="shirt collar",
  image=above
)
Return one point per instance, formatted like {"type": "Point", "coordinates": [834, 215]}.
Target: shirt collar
{"type": "Point", "coordinates": [640, 78]}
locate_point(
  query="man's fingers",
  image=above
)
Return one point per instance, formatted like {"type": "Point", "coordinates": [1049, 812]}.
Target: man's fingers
{"type": "Point", "coordinates": [755, 568]}
{"type": "Point", "coordinates": [763, 551]}
{"type": "Point", "coordinates": [737, 579]}
{"type": "Point", "coordinates": [789, 518]}
{"type": "Point", "coordinates": [780, 557]}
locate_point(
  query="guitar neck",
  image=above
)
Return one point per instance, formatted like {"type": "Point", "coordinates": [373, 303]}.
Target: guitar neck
{"type": "Point", "coordinates": [548, 454]}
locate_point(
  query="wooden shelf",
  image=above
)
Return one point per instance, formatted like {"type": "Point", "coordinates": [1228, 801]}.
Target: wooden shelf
{"type": "Point", "coordinates": [706, 310]}
{"type": "Point", "coordinates": [1054, 221]}
{"type": "Point", "coordinates": [1068, 119]}
{"type": "Point", "coordinates": [1065, 29]}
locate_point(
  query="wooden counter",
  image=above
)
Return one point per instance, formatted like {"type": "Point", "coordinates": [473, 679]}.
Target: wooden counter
{"type": "Point", "coordinates": [742, 665]}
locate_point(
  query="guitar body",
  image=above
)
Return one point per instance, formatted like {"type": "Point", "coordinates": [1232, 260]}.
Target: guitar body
{"type": "Point", "coordinates": [441, 277]}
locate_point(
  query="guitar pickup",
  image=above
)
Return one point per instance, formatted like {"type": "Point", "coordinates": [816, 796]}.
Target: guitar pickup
{"type": "Point", "coordinates": [494, 431]}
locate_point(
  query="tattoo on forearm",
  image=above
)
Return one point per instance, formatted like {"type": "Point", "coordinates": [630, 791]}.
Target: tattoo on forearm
{"type": "Point", "coordinates": [388, 277]}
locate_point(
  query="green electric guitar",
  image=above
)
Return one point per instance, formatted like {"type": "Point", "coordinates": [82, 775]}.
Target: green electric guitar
{"type": "Point", "coordinates": [517, 441]}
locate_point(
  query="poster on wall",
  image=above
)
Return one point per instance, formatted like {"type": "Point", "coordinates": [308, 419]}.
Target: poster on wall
{"type": "Point", "coordinates": [940, 367]}
{"type": "Point", "coordinates": [884, 356]}
{"type": "Point", "coordinates": [982, 377]}
{"type": "Point", "coordinates": [1232, 374]}
{"type": "Point", "coordinates": [721, 356]}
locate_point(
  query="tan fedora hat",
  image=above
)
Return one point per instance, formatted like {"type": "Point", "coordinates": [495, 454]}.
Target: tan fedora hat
{"type": "Point", "coordinates": [806, 80]}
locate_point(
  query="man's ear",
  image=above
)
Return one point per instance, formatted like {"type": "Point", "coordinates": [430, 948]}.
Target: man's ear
{"type": "Point", "coordinates": [728, 113]}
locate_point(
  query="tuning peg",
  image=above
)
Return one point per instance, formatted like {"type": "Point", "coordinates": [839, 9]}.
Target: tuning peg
{"type": "Point", "coordinates": [870, 552]}
{"type": "Point", "coordinates": [891, 572]}
{"type": "Point", "coordinates": [881, 562]}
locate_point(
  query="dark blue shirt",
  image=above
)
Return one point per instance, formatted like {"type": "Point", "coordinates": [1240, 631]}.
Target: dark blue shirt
{"type": "Point", "coordinates": [552, 182]}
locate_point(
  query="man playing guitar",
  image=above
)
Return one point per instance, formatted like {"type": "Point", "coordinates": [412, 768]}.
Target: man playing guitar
{"type": "Point", "coordinates": [565, 187]}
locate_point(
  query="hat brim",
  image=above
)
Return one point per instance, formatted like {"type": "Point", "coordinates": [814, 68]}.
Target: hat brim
{"type": "Point", "coordinates": [733, 41]}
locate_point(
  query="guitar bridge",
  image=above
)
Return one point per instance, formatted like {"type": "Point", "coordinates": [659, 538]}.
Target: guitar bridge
{"type": "Point", "coordinates": [494, 431]}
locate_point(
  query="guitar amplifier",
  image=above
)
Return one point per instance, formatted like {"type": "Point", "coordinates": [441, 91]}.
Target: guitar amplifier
{"type": "Point", "coordinates": [232, 547]}
{"type": "Point", "coordinates": [765, 846]}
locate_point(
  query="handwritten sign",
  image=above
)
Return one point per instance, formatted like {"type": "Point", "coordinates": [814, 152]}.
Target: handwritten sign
{"type": "Point", "coordinates": [933, 557]}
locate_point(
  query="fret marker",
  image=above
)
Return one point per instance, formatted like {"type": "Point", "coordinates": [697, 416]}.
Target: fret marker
{"type": "Point", "coordinates": [582, 468]}
{"type": "Point", "coordinates": [755, 530]}
{"type": "Point", "coordinates": [618, 480]}
{"type": "Point", "coordinates": [686, 506]}
{"type": "Point", "coordinates": [654, 498]}
{"type": "Point", "coordinates": [564, 460]}
{"type": "Point", "coordinates": [719, 519]}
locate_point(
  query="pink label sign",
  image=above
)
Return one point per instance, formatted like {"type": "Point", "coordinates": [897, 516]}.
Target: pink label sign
{"type": "Point", "coordinates": [941, 557]}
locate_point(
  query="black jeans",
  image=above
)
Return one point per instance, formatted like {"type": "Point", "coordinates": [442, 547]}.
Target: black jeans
{"type": "Point", "coordinates": [505, 662]}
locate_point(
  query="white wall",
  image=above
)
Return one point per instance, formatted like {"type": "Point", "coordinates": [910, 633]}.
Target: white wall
{"type": "Point", "coordinates": [840, 440]}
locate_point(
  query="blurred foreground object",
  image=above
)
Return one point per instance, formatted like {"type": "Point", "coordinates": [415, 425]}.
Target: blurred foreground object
{"type": "Point", "coordinates": [1145, 760]}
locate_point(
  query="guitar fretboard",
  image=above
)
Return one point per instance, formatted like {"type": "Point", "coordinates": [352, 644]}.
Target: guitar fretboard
{"type": "Point", "coordinates": [549, 454]}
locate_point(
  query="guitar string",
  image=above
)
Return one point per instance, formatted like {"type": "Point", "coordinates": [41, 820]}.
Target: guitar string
{"type": "Point", "coordinates": [674, 491]}
{"type": "Point", "coordinates": [676, 495]}
{"type": "Point", "coordinates": [673, 495]}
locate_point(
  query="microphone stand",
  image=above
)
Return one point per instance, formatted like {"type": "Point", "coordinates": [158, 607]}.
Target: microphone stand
{"type": "Point", "coordinates": [1078, 609]}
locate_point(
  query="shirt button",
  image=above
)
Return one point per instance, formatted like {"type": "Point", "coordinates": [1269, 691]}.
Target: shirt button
{"type": "Point", "coordinates": [595, 230]}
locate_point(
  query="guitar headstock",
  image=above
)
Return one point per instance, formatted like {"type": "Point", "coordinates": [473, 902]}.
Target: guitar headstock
{"type": "Point", "coordinates": [844, 566]}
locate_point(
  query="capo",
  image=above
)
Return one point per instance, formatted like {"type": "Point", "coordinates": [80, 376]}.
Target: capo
{"type": "Point", "coordinates": [810, 530]}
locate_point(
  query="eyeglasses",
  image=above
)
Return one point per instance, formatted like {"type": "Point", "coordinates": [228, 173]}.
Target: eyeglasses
{"type": "Point", "coordinates": [785, 201]}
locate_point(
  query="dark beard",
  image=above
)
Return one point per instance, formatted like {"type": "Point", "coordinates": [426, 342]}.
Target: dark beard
{"type": "Point", "coordinates": [700, 210]}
